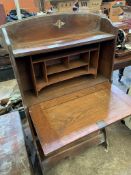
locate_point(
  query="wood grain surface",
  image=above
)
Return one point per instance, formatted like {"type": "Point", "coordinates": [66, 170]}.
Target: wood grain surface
{"type": "Point", "coordinates": [34, 42]}
{"type": "Point", "coordinates": [34, 47]}
{"type": "Point", "coordinates": [64, 120]}
{"type": "Point", "coordinates": [62, 89]}
{"type": "Point", "coordinates": [41, 34]}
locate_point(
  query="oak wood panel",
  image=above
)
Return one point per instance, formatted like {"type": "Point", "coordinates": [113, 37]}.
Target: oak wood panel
{"type": "Point", "coordinates": [25, 39]}
{"type": "Point", "coordinates": [25, 49]}
{"type": "Point", "coordinates": [74, 95]}
{"type": "Point", "coordinates": [67, 113]}
{"type": "Point", "coordinates": [61, 68]}
{"type": "Point", "coordinates": [79, 20]}
{"type": "Point", "coordinates": [107, 53]}
{"type": "Point", "coordinates": [59, 125]}
{"type": "Point", "coordinates": [62, 88]}
{"type": "Point", "coordinates": [63, 54]}
{"type": "Point", "coordinates": [33, 76]}
{"type": "Point", "coordinates": [82, 30]}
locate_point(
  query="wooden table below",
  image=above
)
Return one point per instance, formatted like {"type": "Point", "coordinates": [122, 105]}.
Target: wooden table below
{"type": "Point", "coordinates": [120, 63]}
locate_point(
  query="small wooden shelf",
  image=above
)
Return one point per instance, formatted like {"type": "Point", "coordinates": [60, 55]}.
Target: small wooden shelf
{"type": "Point", "coordinates": [68, 64]}
{"type": "Point", "coordinates": [62, 54]}
{"type": "Point", "coordinates": [62, 76]}
{"type": "Point", "coordinates": [40, 84]}
{"type": "Point", "coordinates": [67, 75]}
{"type": "Point", "coordinates": [77, 63]}
{"type": "Point", "coordinates": [93, 71]}
{"type": "Point", "coordinates": [61, 68]}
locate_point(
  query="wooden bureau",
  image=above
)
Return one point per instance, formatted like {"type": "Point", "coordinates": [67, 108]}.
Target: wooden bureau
{"type": "Point", "coordinates": [63, 64]}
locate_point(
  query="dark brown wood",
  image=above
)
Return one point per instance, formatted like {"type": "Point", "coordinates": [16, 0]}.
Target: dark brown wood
{"type": "Point", "coordinates": [63, 64]}
{"type": "Point", "coordinates": [13, 155]}
{"type": "Point", "coordinates": [26, 41]}
{"type": "Point", "coordinates": [122, 53]}
{"type": "Point", "coordinates": [63, 67]}
{"type": "Point", "coordinates": [122, 62]}
{"type": "Point", "coordinates": [84, 51]}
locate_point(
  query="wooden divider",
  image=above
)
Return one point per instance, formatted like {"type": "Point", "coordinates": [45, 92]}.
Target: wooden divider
{"type": "Point", "coordinates": [47, 69]}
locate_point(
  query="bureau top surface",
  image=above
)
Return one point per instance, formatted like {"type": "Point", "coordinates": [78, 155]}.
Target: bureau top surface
{"type": "Point", "coordinates": [56, 31]}
{"type": "Point", "coordinates": [64, 120]}
{"type": "Point", "coordinates": [42, 46]}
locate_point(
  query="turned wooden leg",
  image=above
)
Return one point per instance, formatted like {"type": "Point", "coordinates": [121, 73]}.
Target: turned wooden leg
{"type": "Point", "coordinates": [121, 71]}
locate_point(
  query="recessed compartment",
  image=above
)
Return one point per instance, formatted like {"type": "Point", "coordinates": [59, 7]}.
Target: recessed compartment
{"type": "Point", "coordinates": [54, 78]}
{"type": "Point", "coordinates": [79, 60]}
{"type": "Point", "coordinates": [94, 58]}
{"type": "Point", "coordinates": [39, 75]}
{"type": "Point", "coordinates": [56, 67]}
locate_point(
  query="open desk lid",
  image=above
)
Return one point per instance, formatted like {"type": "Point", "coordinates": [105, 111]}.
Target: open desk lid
{"type": "Point", "coordinates": [63, 120]}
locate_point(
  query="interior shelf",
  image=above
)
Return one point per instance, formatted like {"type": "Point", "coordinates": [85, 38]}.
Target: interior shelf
{"type": "Point", "coordinates": [77, 63]}
{"type": "Point", "coordinates": [57, 67]}
{"type": "Point", "coordinates": [61, 68]}
{"type": "Point", "coordinates": [40, 84]}
{"type": "Point", "coordinates": [61, 54]}
{"type": "Point", "coordinates": [55, 78]}
{"type": "Point", "coordinates": [67, 75]}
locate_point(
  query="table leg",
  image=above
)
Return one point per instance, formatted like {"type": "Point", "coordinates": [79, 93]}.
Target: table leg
{"type": "Point", "coordinates": [106, 143]}
{"type": "Point", "coordinates": [121, 71]}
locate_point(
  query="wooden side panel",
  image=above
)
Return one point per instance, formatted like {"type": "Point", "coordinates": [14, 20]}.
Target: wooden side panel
{"type": "Point", "coordinates": [24, 31]}
{"type": "Point", "coordinates": [107, 26]}
{"type": "Point", "coordinates": [24, 72]}
{"type": "Point", "coordinates": [106, 60]}
{"type": "Point", "coordinates": [55, 32]}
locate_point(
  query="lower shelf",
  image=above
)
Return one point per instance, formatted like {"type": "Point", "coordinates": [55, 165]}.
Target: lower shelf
{"type": "Point", "coordinates": [40, 83]}
{"type": "Point", "coordinates": [61, 68]}
{"type": "Point", "coordinates": [63, 88]}
{"type": "Point", "coordinates": [66, 75]}
{"type": "Point", "coordinates": [55, 78]}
